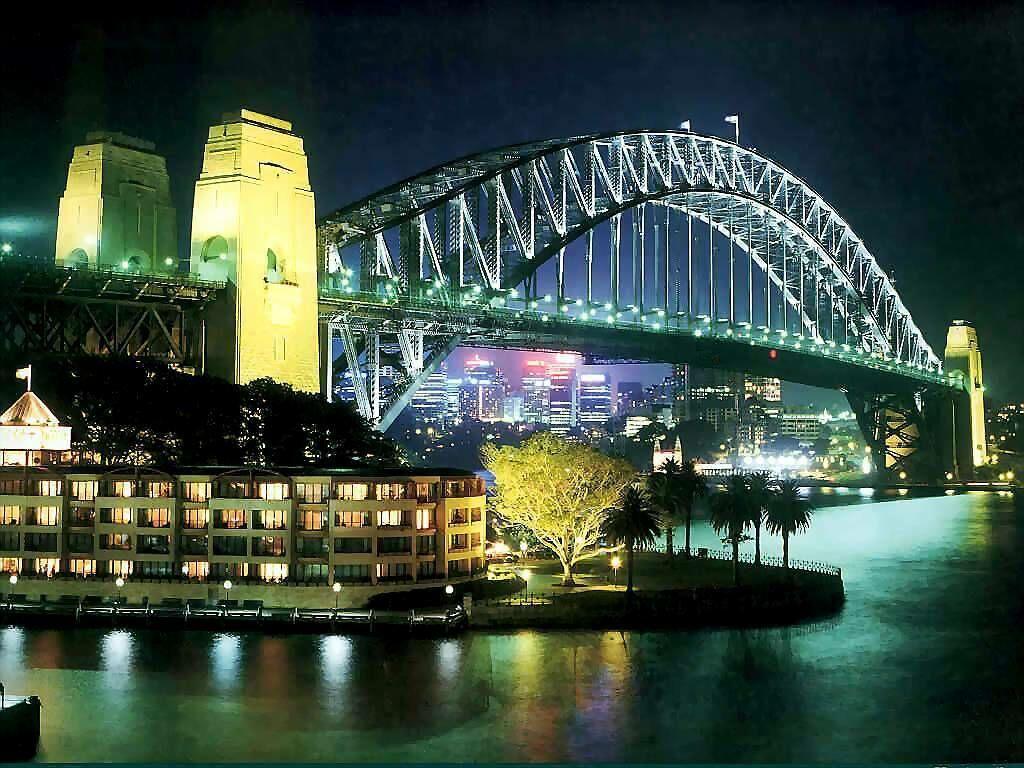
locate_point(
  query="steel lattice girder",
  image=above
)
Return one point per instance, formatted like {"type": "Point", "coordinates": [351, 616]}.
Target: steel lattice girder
{"type": "Point", "coordinates": [542, 196]}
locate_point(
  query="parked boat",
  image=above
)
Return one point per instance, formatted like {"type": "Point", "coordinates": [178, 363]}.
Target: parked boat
{"type": "Point", "coordinates": [19, 727]}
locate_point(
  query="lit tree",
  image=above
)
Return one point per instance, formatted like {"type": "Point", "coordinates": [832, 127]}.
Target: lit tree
{"type": "Point", "coordinates": [560, 491]}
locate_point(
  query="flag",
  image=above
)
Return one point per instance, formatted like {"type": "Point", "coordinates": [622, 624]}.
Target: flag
{"type": "Point", "coordinates": [25, 374]}
{"type": "Point", "coordinates": [684, 126]}
{"type": "Point", "coordinates": [734, 119]}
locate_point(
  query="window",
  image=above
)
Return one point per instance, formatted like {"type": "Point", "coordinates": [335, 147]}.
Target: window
{"type": "Point", "coordinates": [194, 491]}
{"type": "Point", "coordinates": [315, 573]}
{"type": "Point", "coordinates": [82, 567]}
{"type": "Point", "coordinates": [424, 519]}
{"type": "Point", "coordinates": [271, 519]}
{"type": "Point", "coordinates": [453, 488]}
{"type": "Point", "coordinates": [10, 565]}
{"type": "Point", "coordinates": [44, 516]}
{"type": "Point", "coordinates": [193, 545]}
{"type": "Point", "coordinates": [10, 515]}
{"type": "Point", "coordinates": [83, 516]}
{"type": "Point", "coordinates": [311, 547]}
{"type": "Point", "coordinates": [119, 567]}
{"type": "Point", "coordinates": [352, 546]}
{"type": "Point", "coordinates": [80, 543]}
{"type": "Point", "coordinates": [477, 514]}
{"type": "Point", "coordinates": [121, 488]}
{"type": "Point", "coordinates": [158, 517]}
{"type": "Point", "coordinates": [474, 540]}
{"type": "Point", "coordinates": [158, 570]}
{"type": "Point", "coordinates": [459, 541]}
{"type": "Point", "coordinates": [10, 487]}
{"type": "Point", "coordinates": [458, 517]}
{"type": "Point", "coordinates": [160, 490]}
{"type": "Point", "coordinates": [353, 518]}
{"type": "Point", "coordinates": [427, 569]}
{"type": "Point", "coordinates": [230, 518]}
{"type": "Point", "coordinates": [153, 545]}
{"type": "Point", "coordinates": [458, 568]}
{"type": "Point", "coordinates": [268, 546]}
{"type": "Point", "coordinates": [426, 545]}
{"type": "Point", "coordinates": [196, 569]}
{"type": "Point", "coordinates": [389, 491]}
{"type": "Point", "coordinates": [425, 491]}
{"type": "Point", "coordinates": [221, 571]}
{"type": "Point", "coordinates": [195, 518]}
{"type": "Point", "coordinates": [394, 545]}
{"type": "Point", "coordinates": [393, 571]}
{"type": "Point", "coordinates": [352, 491]}
{"type": "Point", "coordinates": [310, 520]}
{"type": "Point", "coordinates": [49, 488]}
{"type": "Point", "coordinates": [312, 493]}
{"type": "Point", "coordinates": [115, 541]}
{"type": "Point", "coordinates": [47, 565]}
{"type": "Point", "coordinates": [273, 571]}
{"type": "Point", "coordinates": [232, 546]}
{"type": "Point", "coordinates": [273, 491]}
{"type": "Point", "coordinates": [10, 542]}
{"type": "Point", "coordinates": [392, 518]}
{"type": "Point", "coordinates": [352, 573]}
{"type": "Point", "coordinates": [118, 515]}
{"type": "Point", "coordinates": [84, 490]}
{"type": "Point", "coordinates": [41, 542]}
{"type": "Point", "coordinates": [233, 489]}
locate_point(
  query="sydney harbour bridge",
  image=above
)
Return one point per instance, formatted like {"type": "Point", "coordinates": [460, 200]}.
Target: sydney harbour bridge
{"type": "Point", "coordinates": [639, 246]}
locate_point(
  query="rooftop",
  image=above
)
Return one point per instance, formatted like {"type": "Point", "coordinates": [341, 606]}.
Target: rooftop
{"type": "Point", "coordinates": [28, 411]}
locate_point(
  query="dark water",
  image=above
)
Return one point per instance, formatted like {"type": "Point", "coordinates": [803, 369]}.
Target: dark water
{"type": "Point", "coordinates": [924, 664]}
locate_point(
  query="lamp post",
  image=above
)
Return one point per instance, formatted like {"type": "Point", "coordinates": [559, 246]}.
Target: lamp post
{"type": "Point", "coordinates": [184, 572]}
{"type": "Point", "coordinates": [119, 582]}
{"type": "Point", "coordinates": [14, 581]}
{"type": "Point", "coordinates": [227, 588]}
{"type": "Point", "coordinates": [449, 590]}
{"type": "Point", "coordinates": [616, 564]}
{"type": "Point", "coordinates": [337, 591]}
{"type": "Point", "coordinates": [525, 576]}
{"type": "Point", "coordinates": [523, 547]}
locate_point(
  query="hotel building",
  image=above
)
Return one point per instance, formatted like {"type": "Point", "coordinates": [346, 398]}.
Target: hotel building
{"type": "Point", "coordinates": [372, 527]}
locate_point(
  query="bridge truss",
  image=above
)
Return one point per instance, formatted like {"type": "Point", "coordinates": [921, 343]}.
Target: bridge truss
{"type": "Point", "coordinates": [657, 231]}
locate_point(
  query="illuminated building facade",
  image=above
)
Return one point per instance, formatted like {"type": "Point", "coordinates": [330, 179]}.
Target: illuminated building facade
{"type": "Point", "coordinates": [595, 400]}
{"type": "Point", "coordinates": [536, 388]}
{"type": "Point", "coordinates": [483, 391]}
{"type": "Point", "coordinates": [963, 354]}
{"type": "Point", "coordinates": [564, 406]}
{"type": "Point", "coordinates": [430, 402]}
{"type": "Point", "coordinates": [374, 528]}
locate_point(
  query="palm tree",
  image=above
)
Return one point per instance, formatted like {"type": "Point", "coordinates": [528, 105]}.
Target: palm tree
{"type": "Point", "coordinates": [730, 516]}
{"type": "Point", "coordinates": [759, 485]}
{"type": "Point", "coordinates": [664, 493]}
{"type": "Point", "coordinates": [788, 513]}
{"type": "Point", "coordinates": [692, 486]}
{"type": "Point", "coordinates": [634, 522]}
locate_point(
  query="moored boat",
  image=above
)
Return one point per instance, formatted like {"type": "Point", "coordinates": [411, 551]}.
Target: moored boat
{"type": "Point", "coordinates": [19, 727]}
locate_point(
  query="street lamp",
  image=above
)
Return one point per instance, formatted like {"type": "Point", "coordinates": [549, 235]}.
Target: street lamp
{"type": "Point", "coordinates": [616, 564]}
{"type": "Point", "coordinates": [227, 588]}
{"type": "Point", "coordinates": [525, 576]}
{"type": "Point", "coordinates": [119, 581]}
{"type": "Point", "coordinates": [523, 547]}
{"type": "Point", "coordinates": [337, 591]}
{"type": "Point", "coordinates": [13, 580]}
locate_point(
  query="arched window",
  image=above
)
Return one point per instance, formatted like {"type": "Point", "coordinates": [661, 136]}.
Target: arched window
{"type": "Point", "coordinates": [215, 249]}
{"type": "Point", "coordinates": [78, 258]}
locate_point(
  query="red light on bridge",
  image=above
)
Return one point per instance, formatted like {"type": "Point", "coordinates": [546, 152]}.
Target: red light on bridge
{"type": "Point", "coordinates": [773, 353]}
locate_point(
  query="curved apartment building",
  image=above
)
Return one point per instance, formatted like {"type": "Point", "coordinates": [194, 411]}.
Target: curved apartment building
{"type": "Point", "coordinates": [379, 528]}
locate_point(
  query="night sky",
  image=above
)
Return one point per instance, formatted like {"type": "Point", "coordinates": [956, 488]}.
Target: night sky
{"type": "Point", "coordinates": [906, 117]}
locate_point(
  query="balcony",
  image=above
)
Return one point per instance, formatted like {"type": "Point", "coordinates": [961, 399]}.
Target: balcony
{"type": "Point", "coordinates": [154, 523]}
{"type": "Point", "coordinates": [82, 519]}
{"type": "Point", "coordinates": [230, 525]}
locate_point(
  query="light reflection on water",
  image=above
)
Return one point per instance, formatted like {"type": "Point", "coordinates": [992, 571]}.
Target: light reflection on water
{"type": "Point", "coordinates": [921, 666]}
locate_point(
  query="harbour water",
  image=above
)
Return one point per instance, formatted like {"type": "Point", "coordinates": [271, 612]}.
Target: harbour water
{"type": "Point", "coordinates": [924, 664]}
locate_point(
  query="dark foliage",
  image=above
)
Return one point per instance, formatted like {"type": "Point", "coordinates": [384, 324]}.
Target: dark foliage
{"type": "Point", "coordinates": [126, 410]}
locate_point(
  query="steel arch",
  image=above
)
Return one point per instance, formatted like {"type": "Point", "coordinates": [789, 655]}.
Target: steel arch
{"type": "Point", "coordinates": [567, 186]}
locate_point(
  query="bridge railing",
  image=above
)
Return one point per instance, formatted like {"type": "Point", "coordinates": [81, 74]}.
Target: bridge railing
{"type": "Point", "coordinates": [48, 267]}
{"type": "Point", "coordinates": [811, 566]}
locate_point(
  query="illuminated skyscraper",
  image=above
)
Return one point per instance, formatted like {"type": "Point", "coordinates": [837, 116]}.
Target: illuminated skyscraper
{"type": "Point", "coordinates": [595, 400]}
{"type": "Point", "coordinates": [430, 403]}
{"type": "Point", "coordinates": [564, 413]}
{"type": "Point", "coordinates": [483, 391]}
{"type": "Point", "coordinates": [536, 392]}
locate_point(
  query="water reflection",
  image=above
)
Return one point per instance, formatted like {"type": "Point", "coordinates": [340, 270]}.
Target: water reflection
{"type": "Point", "coordinates": [922, 665]}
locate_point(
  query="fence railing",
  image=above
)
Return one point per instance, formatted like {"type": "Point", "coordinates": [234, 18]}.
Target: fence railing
{"type": "Point", "coordinates": [812, 566]}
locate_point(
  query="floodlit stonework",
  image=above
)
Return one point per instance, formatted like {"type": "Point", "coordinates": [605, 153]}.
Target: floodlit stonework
{"type": "Point", "coordinates": [964, 354]}
{"type": "Point", "coordinates": [253, 226]}
{"type": "Point", "coordinates": [116, 211]}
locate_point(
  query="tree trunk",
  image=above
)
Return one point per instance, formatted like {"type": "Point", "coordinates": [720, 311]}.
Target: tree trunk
{"type": "Point", "coordinates": [757, 544]}
{"type": "Point", "coordinates": [735, 561]}
{"type": "Point", "coordinates": [689, 514]}
{"type": "Point", "coordinates": [567, 575]}
{"type": "Point", "coordinates": [668, 535]}
{"type": "Point", "coordinates": [785, 550]}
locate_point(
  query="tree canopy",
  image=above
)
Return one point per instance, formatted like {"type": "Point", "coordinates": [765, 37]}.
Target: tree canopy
{"type": "Point", "coordinates": [125, 410]}
{"type": "Point", "coordinates": [560, 491]}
